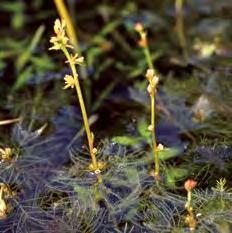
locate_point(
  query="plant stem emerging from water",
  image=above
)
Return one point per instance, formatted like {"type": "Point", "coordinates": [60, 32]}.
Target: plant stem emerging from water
{"type": "Point", "coordinates": [83, 110]}
{"type": "Point", "coordinates": [61, 42]}
{"type": "Point", "coordinates": [189, 185]}
{"type": "Point", "coordinates": [153, 81]}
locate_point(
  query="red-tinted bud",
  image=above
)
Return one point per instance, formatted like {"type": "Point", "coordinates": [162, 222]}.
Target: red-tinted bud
{"type": "Point", "coordinates": [190, 184]}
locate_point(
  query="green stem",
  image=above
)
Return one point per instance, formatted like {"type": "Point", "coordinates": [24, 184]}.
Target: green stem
{"type": "Point", "coordinates": [83, 110]}
{"type": "Point", "coordinates": [148, 57]}
{"type": "Point", "coordinates": [154, 145]}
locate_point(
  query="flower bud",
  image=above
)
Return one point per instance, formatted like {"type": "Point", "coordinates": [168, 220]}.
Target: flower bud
{"type": "Point", "coordinates": [154, 81]}
{"type": "Point", "coordinates": [138, 27]}
{"type": "Point", "coordinates": [150, 89]}
{"type": "Point", "coordinates": [150, 74]}
{"type": "Point", "coordinates": [190, 184]}
{"type": "Point", "coordinates": [142, 42]}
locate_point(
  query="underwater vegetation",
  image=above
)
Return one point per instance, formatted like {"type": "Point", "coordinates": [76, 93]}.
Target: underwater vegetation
{"type": "Point", "coordinates": [115, 116]}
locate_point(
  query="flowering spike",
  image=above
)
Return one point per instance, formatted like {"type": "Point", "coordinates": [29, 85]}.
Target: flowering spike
{"type": "Point", "coordinates": [60, 40]}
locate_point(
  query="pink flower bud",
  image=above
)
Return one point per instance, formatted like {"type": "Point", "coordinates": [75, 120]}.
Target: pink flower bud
{"type": "Point", "coordinates": [138, 27]}
{"type": "Point", "coordinates": [190, 184]}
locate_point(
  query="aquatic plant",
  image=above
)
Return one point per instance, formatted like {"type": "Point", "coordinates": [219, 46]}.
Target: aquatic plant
{"type": "Point", "coordinates": [153, 80]}
{"type": "Point", "coordinates": [50, 169]}
{"type": "Point", "coordinates": [189, 185]}
{"type": "Point", "coordinates": [106, 206]}
{"type": "Point", "coordinates": [61, 42]}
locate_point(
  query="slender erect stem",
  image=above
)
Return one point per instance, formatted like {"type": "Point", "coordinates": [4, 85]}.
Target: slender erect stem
{"type": "Point", "coordinates": [152, 100]}
{"type": "Point", "coordinates": [154, 145]}
{"type": "Point", "coordinates": [83, 110]}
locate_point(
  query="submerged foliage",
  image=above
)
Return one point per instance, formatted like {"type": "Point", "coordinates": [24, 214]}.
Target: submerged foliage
{"type": "Point", "coordinates": [47, 181]}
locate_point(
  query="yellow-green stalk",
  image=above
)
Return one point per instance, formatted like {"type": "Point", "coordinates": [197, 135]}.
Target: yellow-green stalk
{"type": "Point", "coordinates": [61, 42]}
{"type": "Point", "coordinates": [153, 81]}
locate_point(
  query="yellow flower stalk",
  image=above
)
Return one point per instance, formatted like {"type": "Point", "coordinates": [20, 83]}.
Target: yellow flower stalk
{"type": "Point", "coordinates": [61, 42]}
{"type": "Point", "coordinates": [153, 80]}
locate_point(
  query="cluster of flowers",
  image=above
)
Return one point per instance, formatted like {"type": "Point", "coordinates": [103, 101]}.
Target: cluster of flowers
{"type": "Point", "coordinates": [61, 42]}
{"type": "Point", "coordinates": [153, 81]}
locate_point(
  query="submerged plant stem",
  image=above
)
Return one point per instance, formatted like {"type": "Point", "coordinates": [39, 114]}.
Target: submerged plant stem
{"type": "Point", "coordinates": [83, 110]}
